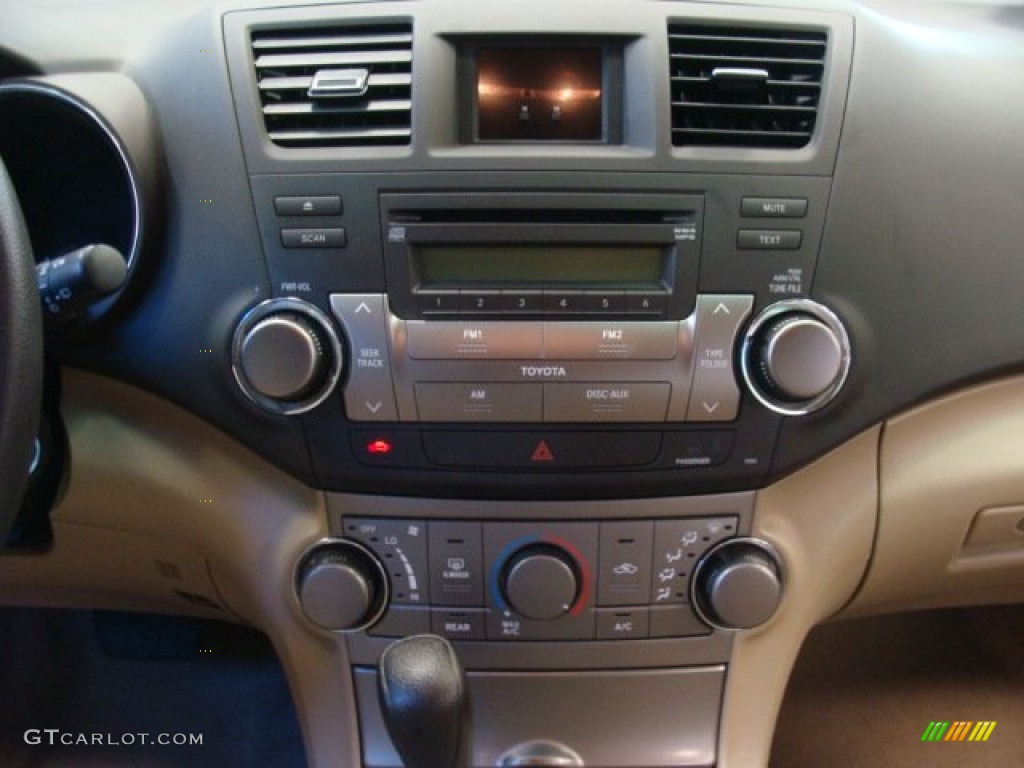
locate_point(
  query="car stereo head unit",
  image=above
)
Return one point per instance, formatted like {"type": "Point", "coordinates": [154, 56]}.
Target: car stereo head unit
{"type": "Point", "coordinates": [526, 256]}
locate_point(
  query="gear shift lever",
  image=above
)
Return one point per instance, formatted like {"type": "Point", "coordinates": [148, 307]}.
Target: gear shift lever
{"type": "Point", "coordinates": [422, 695]}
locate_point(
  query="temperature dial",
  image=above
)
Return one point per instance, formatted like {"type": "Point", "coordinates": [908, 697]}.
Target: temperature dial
{"type": "Point", "coordinates": [796, 356]}
{"type": "Point", "coordinates": [540, 582]}
{"type": "Point", "coordinates": [286, 356]}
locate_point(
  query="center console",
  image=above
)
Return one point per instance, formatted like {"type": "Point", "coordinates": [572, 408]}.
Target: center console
{"type": "Point", "coordinates": [541, 302]}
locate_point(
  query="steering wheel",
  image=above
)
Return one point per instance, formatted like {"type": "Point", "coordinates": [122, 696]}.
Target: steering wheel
{"type": "Point", "coordinates": [21, 355]}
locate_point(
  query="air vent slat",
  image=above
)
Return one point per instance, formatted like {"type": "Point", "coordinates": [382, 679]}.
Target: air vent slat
{"type": "Point", "coordinates": [341, 138]}
{"type": "Point", "coordinates": [782, 109]}
{"type": "Point", "coordinates": [810, 84]}
{"type": "Point", "coordinates": [740, 40]}
{"type": "Point", "coordinates": [336, 59]}
{"type": "Point", "coordinates": [722, 132]}
{"type": "Point", "coordinates": [374, 106]}
{"type": "Point", "coordinates": [303, 83]}
{"type": "Point", "coordinates": [308, 109]}
{"type": "Point", "coordinates": [764, 61]}
{"type": "Point", "coordinates": [721, 96]}
{"type": "Point", "coordinates": [334, 41]}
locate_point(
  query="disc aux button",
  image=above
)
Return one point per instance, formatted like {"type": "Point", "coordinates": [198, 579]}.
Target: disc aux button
{"type": "Point", "coordinates": [606, 401]}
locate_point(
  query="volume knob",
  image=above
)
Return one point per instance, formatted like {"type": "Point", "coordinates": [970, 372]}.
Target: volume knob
{"type": "Point", "coordinates": [796, 357]}
{"type": "Point", "coordinates": [282, 357]}
{"type": "Point", "coordinates": [287, 357]}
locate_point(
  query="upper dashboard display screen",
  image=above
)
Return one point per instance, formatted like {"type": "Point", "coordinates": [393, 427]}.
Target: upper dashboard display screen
{"type": "Point", "coordinates": [539, 94]}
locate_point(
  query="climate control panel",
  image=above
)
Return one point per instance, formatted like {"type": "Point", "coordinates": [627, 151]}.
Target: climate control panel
{"type": "Point", "coordinates": [523, 581]}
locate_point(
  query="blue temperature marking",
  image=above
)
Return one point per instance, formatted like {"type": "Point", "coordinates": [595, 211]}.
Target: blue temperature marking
{"type": "Point", "coordinates": [503, 557]}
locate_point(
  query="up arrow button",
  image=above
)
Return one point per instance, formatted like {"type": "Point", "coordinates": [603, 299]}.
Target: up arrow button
{"type": "Point", "coordinates": [369, 390]}
{"type": "Point", "coordinates": [715, 395]}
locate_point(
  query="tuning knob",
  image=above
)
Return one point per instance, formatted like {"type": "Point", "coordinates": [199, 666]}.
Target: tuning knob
{"type": "Point", "coordinates": [541, 582]}
{"type": "Point", "coordinates": [738, 584]}
{"type": "Point", "coordinates": [341, 586]}
{"type": "Point", "coordinates": [286, 356]}
{"type": "Point", "coordinates": [795, 357]}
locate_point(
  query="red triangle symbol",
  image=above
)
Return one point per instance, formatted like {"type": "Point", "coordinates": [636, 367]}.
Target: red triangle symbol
{"type": "Point", "coordinates": [542, 452]}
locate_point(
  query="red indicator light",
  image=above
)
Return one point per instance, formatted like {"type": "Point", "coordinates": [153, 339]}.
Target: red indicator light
{"type": "Point", "coordinates": [542, 452]}
{"type": "Point", "coordinates": [379, 447]}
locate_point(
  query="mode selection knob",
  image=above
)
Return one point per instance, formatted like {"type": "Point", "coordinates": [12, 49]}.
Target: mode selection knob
{"type": "Point", "coordinates": [286, 356]}
{"type": "Point", "coordinates": [795, 357]}
{"type": "Point", "coordinates": [341, 586]}
{"type": "Point", "coordinates": [738, 584]}
{"type": "Point", "coordinates": [540, 582]}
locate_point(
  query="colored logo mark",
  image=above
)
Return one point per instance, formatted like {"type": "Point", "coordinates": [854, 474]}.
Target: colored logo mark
{"type": "Point", "coordinates": [960, 730]}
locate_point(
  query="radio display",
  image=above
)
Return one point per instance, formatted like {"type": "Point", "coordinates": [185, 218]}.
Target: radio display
{"type": "Point", "coordinates": [531, 265]}
{"type": "Point", "coordinates": [533, 93]}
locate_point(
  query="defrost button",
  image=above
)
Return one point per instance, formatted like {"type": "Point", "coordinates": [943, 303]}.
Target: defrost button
{"type": "Point", "coordinates": [456, 563]}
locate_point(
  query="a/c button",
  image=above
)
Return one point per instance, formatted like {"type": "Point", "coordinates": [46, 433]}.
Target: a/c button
{"type": "Point", "coordinates": [623, 624]}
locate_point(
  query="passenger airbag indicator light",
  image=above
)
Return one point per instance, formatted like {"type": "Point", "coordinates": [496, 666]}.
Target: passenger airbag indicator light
{"type": "Point", "coordinates": [378, 447]}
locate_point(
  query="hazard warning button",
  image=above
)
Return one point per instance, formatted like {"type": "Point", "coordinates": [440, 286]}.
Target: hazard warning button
{"type": "Point", "coordinates": [541, 451]}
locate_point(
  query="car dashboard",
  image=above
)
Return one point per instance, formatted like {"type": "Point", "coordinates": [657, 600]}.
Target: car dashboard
{"type": "Point", "coordinates": [619, 343]}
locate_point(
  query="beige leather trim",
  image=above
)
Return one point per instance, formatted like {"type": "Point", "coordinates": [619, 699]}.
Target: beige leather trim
{"type": "Point", "coordinates": [150, 482]}
{"type": "Point", "coordinates": [822, 522]}
{"type": "Point", "coordinates": [941, 465]}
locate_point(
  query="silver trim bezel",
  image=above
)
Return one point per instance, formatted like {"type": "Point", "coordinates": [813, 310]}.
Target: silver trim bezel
{"type": "Point", "coordinates": [768, 549]}
{"type": "Point", "coordinates": [70, 99]}
{"type": "Point", "coordinates": [747, 351]}
{"type": "Point", "coordinates": [335, 353]}
{"type": "Point", "coordinates": [384, 600]}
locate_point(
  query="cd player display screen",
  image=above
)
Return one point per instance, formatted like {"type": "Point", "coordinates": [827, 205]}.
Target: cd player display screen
{"type": "Point", "coordinates": [503, 265]}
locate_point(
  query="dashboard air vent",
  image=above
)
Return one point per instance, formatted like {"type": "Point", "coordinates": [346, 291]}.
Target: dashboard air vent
{"type": "Point", "coordinates": [744, 86]}
{"type": "Point", "coordinates": [336, 86]}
